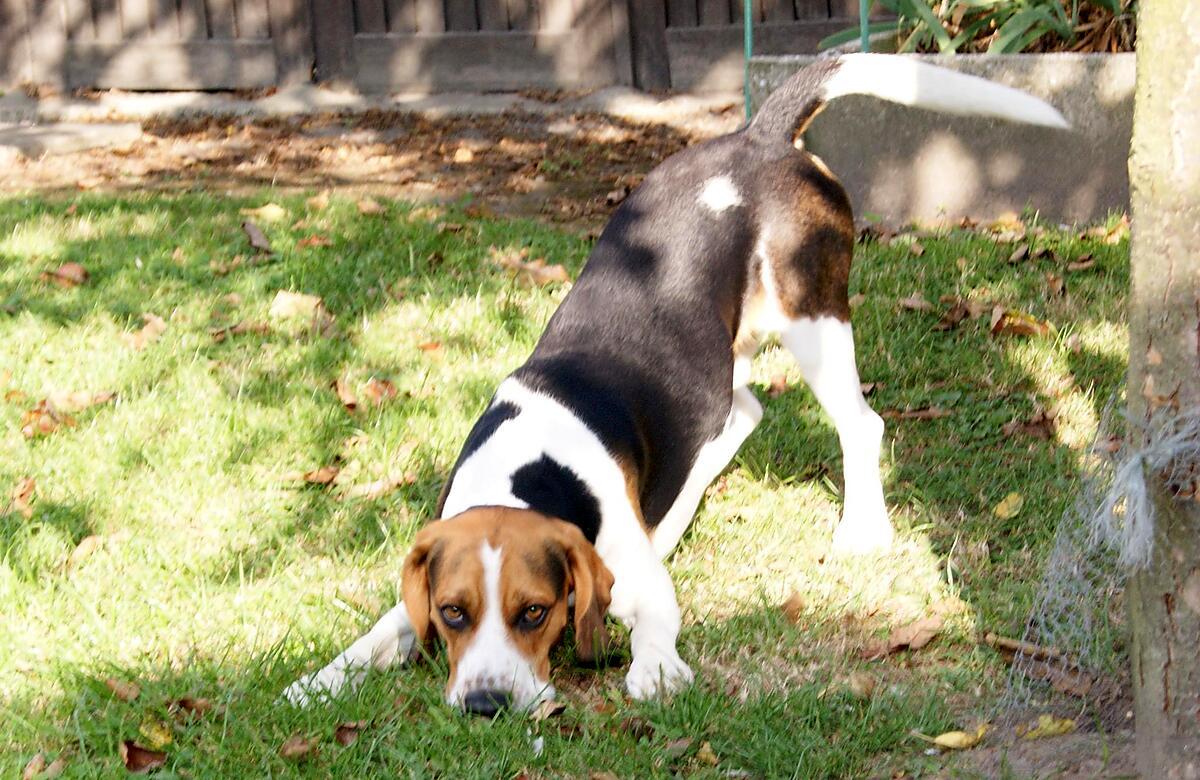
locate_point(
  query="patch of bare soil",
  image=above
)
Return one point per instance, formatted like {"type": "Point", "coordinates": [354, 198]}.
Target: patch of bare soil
{"type": "Point", "coordinates": [572, 169]}
{"type": "Point", "coordinates": [1078, 756]}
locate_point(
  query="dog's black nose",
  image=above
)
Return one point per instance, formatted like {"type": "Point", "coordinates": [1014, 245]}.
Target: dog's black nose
{"type": "Point", "coordinates": [486, 702]}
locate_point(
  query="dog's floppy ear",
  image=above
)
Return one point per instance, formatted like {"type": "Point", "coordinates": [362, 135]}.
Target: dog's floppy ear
{"type": "Point", "coordinates": [592, 582]}
{"type": "Point", "coordinates": [414, 582]}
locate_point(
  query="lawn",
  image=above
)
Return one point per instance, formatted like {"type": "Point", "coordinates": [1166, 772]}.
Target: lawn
{"type": "Point", "coordinates": [172, 548]}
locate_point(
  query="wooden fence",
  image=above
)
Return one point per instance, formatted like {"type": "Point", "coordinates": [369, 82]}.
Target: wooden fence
{"type": "Point", "coordinates": [396, 45]}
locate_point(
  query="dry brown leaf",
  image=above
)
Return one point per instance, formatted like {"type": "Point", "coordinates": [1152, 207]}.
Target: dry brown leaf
{"type": "Point", "coordinates": [1117, 233]}
{"type": "Point", "coordinates": [915, 635]}
{"type": "Point", "coordinates": [778, 386]}
{"type": "Point", "coordinates": [378, 391]}
{"type": "Point", "coordinates": [192, 707]}
{"type": "Point", "coordinates": [122, 689]}
{"type": "Point", "coordinates": [463, 155]}
{"type": "Point", "coordinates": [43, 419]}
{"type": "Point", "coordinates": [1019, 255]}
{"type": "Point", "coordinates": [1039, 426]}
{"type": "Point", "coordinates": [705, 755]}
{"type": "Point", "coordinates": [916, 302]}
{"type": "Point", "coordinates": [548, 708]}
{"type": "Point", "coordinates": [258, 239]}
{"type": "Point", "coordinates": [862, 685]}
{"type": "Point", "coordinates": [868, 388]}
{"type": "Point", "coordinates": [371, 207]}
{"type": "Point", "coordinates": [56, 768]}
{"type": "Point", "coordinates": [288, 304]}
{"type": "Point", "coordinates": [67, 275]}
{"type": "Point", "coordinates": [220, 269]}
{"type": "Point", "coordinates": [34, 767]}
{"type": "Point", "coordinates": [220, 334]}
{"type": "Point", "coordinates": [342, 388]}
{"type": "Point", "coordinates": [1084, 262]}
{"type": "Point", "coordinates": [322, 476]}
{"type": "Point", "coordinates": [678, 747]}
{"type": "Point", "coordinates": [528, 272]}
{"type": "Point", "coordinates": [139, 760]}
{"type": "Point", "coordinates": [314, 240]}
{"type": "Point", "coordinates": [87, 545]}
{"type": "Point", "coordinates": [296, 747]}
{"type": "Point", "coordinates": [430, 347]}
{"type": "Point", "coordinates": [1014, 323]}
{"type": "Point", "coordinates": [268, 212]}
{"type": "Point", "coordinates": [793, 608]}
{"type": "Point", "coordinates": [1056, 285]}
{"type": "Point", "coordinates": [79, 400]}
{"type": "Point", "coordinates": [916, 248]}
{"type": "Point", "coordinates": [346, 734]}
{"type": "Point", "coordinates": [450, 227]}
{"type": "Point", "coordinates": [150, 332]}
{"type": "Point", "coordinates": [318, 202]}
{"type": "Point", "coordinates": [22, 496]}
{"type": "Point", "coordinates": [1010, 506]}
{"type": "Point", "coordinates": [856, 300]}
{"type": "Point", "coordinates": [922, 413]}
{"type": "Point", "coordinates": [953, 316]}
{"type": "Point", "coordinates": [14, 396]}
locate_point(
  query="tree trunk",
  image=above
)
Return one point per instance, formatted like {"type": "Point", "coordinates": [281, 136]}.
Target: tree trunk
{"type": "Point", "coordinates": [1164, 377]}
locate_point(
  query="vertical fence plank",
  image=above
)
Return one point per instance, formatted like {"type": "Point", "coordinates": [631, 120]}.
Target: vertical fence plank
{"type": "Point", "coordinates": [402, 16]}
{"type": "Point", "coordinates": [681, 13]}
{"type": "Point", "coordinates": [651, 65]}
{"type": "Point", "coordinates": [107, 14]}
{"type": "Point", "coordinates": [778, 11]}
{"type": "Point", "coordinates": [166, 20]}
{"type": "Point", "coordinates": [431, 16]}
{"type": "Point", "coordinates": [460, 15]}
{"type": "Point", "coordinates": [135, 19]}
{"type": "Point", "coordinates": [222, 22]}
{"type": "Point", "coordinates": [493, 14]}
{"type": "Point", "coordinates": [193, 24]}
{"type": "Point", "coordinates": [291, 33]}
{"type": "Point", "coordinates": [77, 15]}
{"type": "Point", "coordinates": [333, 39]}
{"type": "Point", "coordinates": [369, 17]}
{"type": "Point", "coordinates": [714, 12]}
{"type": "Point", "coordinates": [252, 19]}
{"type": "Point", "coordinates": [522, 15]}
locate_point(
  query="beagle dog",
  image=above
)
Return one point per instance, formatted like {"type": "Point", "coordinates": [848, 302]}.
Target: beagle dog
{"type": "Point", "coordinates": [585, 469]}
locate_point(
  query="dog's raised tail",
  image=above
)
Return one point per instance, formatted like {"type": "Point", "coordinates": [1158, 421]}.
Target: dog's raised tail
{"type": "Point", "coordinates": [898, 79]}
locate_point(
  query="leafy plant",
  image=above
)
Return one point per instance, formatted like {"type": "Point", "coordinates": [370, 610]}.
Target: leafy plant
{"type": "Point", "coordinates": [1002, 26]}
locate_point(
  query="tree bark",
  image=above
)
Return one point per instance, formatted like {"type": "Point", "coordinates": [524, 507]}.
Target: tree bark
{"type": "Point", "coordinates": [1164, 377]}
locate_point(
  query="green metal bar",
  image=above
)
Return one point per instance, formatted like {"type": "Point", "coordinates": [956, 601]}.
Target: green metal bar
{"type": "Point", "coordinates": [864, 35]}
{"type": "Point", "coordinates": [748, 41]}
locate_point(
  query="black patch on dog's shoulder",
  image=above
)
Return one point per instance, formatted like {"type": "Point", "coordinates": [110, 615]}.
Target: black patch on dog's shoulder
{"type": "Point", "coordinates": [551, 488]}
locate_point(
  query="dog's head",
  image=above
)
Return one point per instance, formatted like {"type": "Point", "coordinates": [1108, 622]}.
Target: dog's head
{"type": "Point", "coordinates": [493, 583]}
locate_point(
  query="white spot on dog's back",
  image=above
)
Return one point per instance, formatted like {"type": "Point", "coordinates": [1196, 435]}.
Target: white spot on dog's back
{"type": "Point", "coordinates": [720, 193]}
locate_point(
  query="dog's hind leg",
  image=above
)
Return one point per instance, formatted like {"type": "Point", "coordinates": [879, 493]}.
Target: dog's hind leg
{"type": "Point", "coordinates": [824, 349]}
{"type": "Point", "coordinates": [389, 641]}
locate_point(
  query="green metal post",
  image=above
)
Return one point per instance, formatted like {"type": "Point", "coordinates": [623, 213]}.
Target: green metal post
{"type": "Point", "coordinates": [864, 36]}
{"type": "Point", "coordinates": [748, 41]}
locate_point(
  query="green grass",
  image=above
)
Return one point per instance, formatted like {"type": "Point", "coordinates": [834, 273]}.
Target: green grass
{"type": "Point", "coordinates": [218, 577]}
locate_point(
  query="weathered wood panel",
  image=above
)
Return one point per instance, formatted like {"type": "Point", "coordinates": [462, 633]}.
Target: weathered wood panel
{"type": "Point", "coordinates": [370, 16]}
{"type": "Point", "coordinates": [183, 65]}
{"type": "Point", "coordinates": [193, 21]}
{"type": "Point", "coordinates": [402, 16]}
{"type": "Point", "coordinates": [460, 16]}
{"type": "Point", "coordinates": [710, 58]}
{"type": "Point", "coordinates": [493, 15]}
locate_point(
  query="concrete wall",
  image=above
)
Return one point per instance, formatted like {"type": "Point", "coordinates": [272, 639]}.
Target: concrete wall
{"type": "Point", "coordinates": [907, 164]}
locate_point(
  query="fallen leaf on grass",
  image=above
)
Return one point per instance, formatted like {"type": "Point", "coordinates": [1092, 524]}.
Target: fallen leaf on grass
{"type": "Point", "coordinates": [868, 388]}
{"type": "Point", "coordinates": [380, 487]}
{"type": "Point", "coordinates": [956, 740]}
{"type": "Point", "coordinates": [1009, 507]}
{"type": "Point", "coordinates": [370, 207]}
{"type": "Point", "coordinates": [139, 760]}
{"type": "Point", "coordinates": [191, 707]}
{"type": "Point", "coordinates": [43, 420]}
{"type": "Point", "coordinates": [342, 388]}
{"type": "Point", "coordinates": [916, 302]}
{"type": "Point", "coordinates": [1039, 426]}
{"type": "Point", "coordinates": [463, 155]}
{"type": "Point", "coordinates": [913, 636]}
{"type": "Point", "coordinates": [431, 347]}
{"type": "Point", "coordinates": [67, 275]}
{"type": "Point", "coordinates": [292, 305]}
{"type": "Point", "coordinates": [347, 733]}
{"type": "Point", "coordinates": [150, 332]}
{"type": "Point", "coordinates": [270, 212]}
{"type": "Point", "coordinates": [377, 391]}
{"type": "Point", "coordinates": [258, 239]}
{"type": "Point", "coordinates": [296, 747]}
{"type": "Point", "coordinates": [1047, 726]}
{"type": "Point", "coordinates": [778, 386]}
{"type": "Point", "coordinates": [1019, 255]}
{"type": "Point", "coordinates": [22, 496]}
{"type": "Point", "coordinates": [221, 269]}
{"type": "Point", "coordinates": [678, 747]}
{"type": "Point", "coordinates": [528, 272]}
{"type": "Point", "coordinates": [87, 545]}
{"type": "Point", "coordinates": [636, 727]}
{"type": "Point", "coordinates": [856, 300]}
{"type": "Point", "coordinates": [157, 734]}
{"type": "Point", "coordinates": [862, 685]}
{"type": "Point", "coordinates": [318, 202]}
{"type": "Point", "coordinates": [1014, 323]}
{"type": "Point", "coordinates": [34, 767]}
{"type": "Point", "coordinates": [1082, 263]}
{"type": "Point", "coordinates": [314, 240]}
{"type": "Point", "coordinates": [953, 316]}
{"type": "Point", "coordinates": [923, 413]}
{"type": "Point", "coordinates": [548, 708]}
{"type": "Point", "coordinates": [793, 608]}
{"type": "Point", "coordinates": [220, 334]}
{"type": "Point", "coordinates": [79, 400]}
{"type": "Point", "coordinates": [705, 755]}
{"type": "Point", "coordinates": [122, 689]}
{"type": "Point", "coordinates": [1056, 285]}
{"type": "Point", "coordinates": [614, 197]}
{"type": "Point", "coordinates": [55, 769]}
{"type": "Point", "coordinates": [322, 476]}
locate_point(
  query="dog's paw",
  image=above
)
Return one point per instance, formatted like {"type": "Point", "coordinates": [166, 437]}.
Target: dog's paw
{"type": "Point", "coordinates": [656, 672]}
{"type": "Point", "coordinates": [314, 687]}
{"type": "Point", "coordinates": [863, 534]}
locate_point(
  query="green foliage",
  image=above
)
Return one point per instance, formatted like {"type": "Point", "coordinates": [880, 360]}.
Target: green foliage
{"type": "Point", "coordinates": [1003, 26]}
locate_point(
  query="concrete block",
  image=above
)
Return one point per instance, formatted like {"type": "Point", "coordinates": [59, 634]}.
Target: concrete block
{"type": "Point", "coordinates": [907, 164]}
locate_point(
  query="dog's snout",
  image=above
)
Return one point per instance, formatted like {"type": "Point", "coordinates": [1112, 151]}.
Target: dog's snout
{"type": "Point", "coordinates": [486, 701]}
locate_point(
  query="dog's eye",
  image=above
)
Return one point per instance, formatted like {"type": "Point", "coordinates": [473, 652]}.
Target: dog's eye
{"type": "Point", "coordinates": [533, 616]}
{"type": "Point", "coordinates": [453, 616]}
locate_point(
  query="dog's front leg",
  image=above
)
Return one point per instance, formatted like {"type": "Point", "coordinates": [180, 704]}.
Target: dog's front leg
{"type": "Point", "coordinates": [643, 598]}
{"type": "Point", "coordinates": [390, 640]}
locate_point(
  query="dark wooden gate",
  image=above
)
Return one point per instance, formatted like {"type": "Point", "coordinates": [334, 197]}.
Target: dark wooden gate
{"type": "Point", "coordinates": [469, 44]}
{"type": "Point", "coordinates": [161, 44]}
